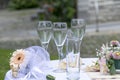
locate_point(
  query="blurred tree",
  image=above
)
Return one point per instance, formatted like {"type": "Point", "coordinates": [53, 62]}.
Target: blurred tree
{"type": "Point", "coordinates": [23, 4]}
{"type": "Point", "coordinates": [54, 10]}
{"type": "Point", "coordinates": [60, 10]}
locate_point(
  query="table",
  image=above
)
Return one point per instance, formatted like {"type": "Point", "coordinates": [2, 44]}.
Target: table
{"type": "Point", "coordinates": [62, 76]}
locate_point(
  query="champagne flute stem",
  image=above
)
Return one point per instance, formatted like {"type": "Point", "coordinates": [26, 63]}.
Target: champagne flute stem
{"type": "Point", "coordinates": [60, 53]}
{"type": "Point", "coordinates": [77, 46]}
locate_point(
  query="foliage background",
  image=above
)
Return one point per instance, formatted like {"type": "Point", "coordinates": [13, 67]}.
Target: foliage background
{"type": "Point", "coordinates": [54, 10]}
{"type": "Point", "coordinates": [62, 10]}
{"type": "Point", "coordinates": [23, 4]}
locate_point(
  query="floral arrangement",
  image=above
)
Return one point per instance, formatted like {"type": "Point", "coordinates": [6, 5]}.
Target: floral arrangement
{"type": "Point", "coordinates": [18, 60]}
{"type": "Point", "coordinates": [109, 57]}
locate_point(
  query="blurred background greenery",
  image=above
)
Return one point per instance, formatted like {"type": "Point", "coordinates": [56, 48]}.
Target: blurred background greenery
{"type": "Point", "coordinates": [54, 10]}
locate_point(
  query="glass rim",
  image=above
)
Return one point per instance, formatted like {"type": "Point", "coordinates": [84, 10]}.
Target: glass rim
{"type": "Point", "coordinates": [39, 27]}
{"type": "Point", "coordinates": [79, 23]}
{"type": "Point", "coordinates": [60, 25]}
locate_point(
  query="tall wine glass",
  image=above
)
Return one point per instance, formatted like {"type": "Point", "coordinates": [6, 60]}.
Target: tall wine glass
{"type": "Point", "coordinates": [44, 31]}
{"type": "Point", "coordinates": [73, 48]}
{"type": "Point", "coordinates": [59, 35]}
{"type": "Point", "coordinates": [78, 28]}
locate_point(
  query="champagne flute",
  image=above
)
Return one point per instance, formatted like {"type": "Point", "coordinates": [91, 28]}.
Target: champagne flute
{"type": "Point", "coordinates": [44, 30]}
{"type": "Point", "coordinates": [74, 40]}
{"type": "Point", "coordinates": [78, 27]}
{"type": "Point", "coordinates": [59, 35]}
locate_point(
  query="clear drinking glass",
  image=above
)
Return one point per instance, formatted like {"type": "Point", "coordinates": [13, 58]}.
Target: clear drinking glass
{"type": "Point", "coordinates": [72, 58]}
{"type": "Point", "coordinates": [44, 30]}
{"type": "Point", "coordinates": [59, 35]}
{"type": "Point", "coordinates": [74, 39]}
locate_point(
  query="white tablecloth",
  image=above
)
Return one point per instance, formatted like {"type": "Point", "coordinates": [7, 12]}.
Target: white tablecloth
{"type": "Point", "coordinates": [62, 76]}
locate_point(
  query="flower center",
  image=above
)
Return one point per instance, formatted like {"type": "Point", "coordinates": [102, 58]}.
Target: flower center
{"type": "Point", "coordinates": [19, 58]}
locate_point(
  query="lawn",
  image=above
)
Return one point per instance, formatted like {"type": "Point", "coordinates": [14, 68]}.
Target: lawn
{"type": "Point", "coordinates": [4, 62]}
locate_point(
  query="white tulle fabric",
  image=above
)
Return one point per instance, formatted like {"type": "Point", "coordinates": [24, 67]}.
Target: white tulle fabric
{"type": "Point", "coordinates": [35, 67]}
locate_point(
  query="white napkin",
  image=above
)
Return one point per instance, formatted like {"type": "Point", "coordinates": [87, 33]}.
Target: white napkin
{"type": "Point", "coordinates": [35, 66]}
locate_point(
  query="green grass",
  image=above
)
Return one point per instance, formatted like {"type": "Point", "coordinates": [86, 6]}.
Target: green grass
{"type": "Point", "coordinates": [4, 62]}
{"type": "Point", "coordinates": [53, 57]}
